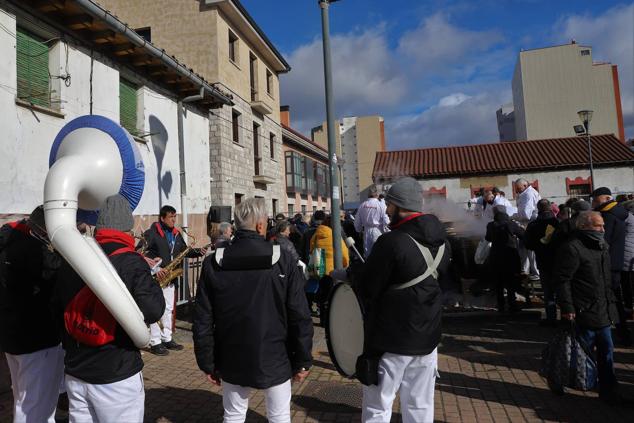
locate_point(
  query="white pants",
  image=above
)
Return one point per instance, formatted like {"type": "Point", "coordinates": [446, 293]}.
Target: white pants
{"type": "Point", "coordinates": [35, 380]}
{"type": "Point", "coordinates": [370, 235]}
{"type": "Point", "coordinates": [122, 401]}
{"type": "Point", "coordinates": [414, 377]}
{"type": "Point", "coordinates": [158, 335]}
{"type": "Point", "coordinates": [235, 400]}
{"type": "Point", "coordinates": [527, 257]}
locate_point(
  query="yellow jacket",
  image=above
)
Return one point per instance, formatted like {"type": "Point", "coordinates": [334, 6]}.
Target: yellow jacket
{"type": "Point", "coordinates": [323, 239]}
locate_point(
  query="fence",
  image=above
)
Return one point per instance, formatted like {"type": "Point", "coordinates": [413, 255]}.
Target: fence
{"type": "Point", "coordinates": [189, 281]}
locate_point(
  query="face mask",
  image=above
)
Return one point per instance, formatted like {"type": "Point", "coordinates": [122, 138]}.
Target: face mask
{"type": "Point", "coordinates": [594, 235]}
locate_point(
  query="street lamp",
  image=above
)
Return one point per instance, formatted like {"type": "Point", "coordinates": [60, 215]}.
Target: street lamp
{"type": "Point", "coordinates": [586, 116]}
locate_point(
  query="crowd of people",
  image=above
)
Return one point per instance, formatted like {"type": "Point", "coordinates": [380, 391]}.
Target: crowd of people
{"type": "Point", "coordinates": [252, 326]}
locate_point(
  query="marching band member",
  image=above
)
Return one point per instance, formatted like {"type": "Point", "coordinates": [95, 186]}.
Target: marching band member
{"type": "Point", "coordinates": [371, 220]}
{"type": "Point", "coordinates": [28, 334]}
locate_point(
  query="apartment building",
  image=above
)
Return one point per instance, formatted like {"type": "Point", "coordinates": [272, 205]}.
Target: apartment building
{"type": "Point", "coordinates": [550, 85]}
{"type": "Point", "coordinates": [306, 171]}
{"type": "Point", "coordinates": [358, 140]}
{"type": "Point", "coordinates": [222, 42]}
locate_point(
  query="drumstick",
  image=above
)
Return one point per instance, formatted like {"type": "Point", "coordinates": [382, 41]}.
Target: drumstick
{"type": "Point", "coordinates": [350, 244]}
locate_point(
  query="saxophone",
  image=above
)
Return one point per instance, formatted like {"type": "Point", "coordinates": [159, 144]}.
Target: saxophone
{"type": "Point", "coordinates": [175, 268]}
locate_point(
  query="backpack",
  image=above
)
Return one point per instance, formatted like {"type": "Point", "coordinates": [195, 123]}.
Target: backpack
{"type": "Point", "coordinates": [567, 362]}
{"type": "Point", "coordinates": [87, 320]}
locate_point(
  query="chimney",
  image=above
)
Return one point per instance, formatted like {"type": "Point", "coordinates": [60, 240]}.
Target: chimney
{"type": "Point", "coordinates": [285, 116]}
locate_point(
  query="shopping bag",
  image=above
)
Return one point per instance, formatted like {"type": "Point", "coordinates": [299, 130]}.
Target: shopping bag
{"type": "Point", "coordinates": [482, 252]}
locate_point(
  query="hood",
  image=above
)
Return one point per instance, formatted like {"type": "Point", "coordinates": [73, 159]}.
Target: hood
{"type": "Point", "coordinates": [501, 217]}
{"type": "Point", "coordinates": [426, 229]}
{"type": "Point", "coordinates": [614, 208]}
{"type": "Point", "coordinates": [323, 232]}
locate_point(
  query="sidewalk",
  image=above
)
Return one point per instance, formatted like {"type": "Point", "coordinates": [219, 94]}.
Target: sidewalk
{"type": "Point", "coordinates": [488, 373]}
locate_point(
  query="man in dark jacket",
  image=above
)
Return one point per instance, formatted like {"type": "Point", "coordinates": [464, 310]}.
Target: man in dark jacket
{"type": "Point", "coordinates": [614, 216]}
{"type": "Point", "coordinates": [28, 334]}
{"type": "Point", "coordinates": [282, 234]}
{"type": "Point", "coordinates": [582, 278]}
{"type": "Point", "coordinates": [104, 383]}
{"type": "Point", "coordinates": [402, 299]}
{"type": "Point", "coordinates": [504, 259]}
{"type": "Point", "coordinates": [164, 241]}
{"type": "Point", "coordinates": [252, 328]}
{"type": "Point", "coordinates": [537, 238]}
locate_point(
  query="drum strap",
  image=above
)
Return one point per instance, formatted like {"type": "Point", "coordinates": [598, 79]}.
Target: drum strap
{"type": "Point", "coordinates": [220, 252]}
{"type": "Point", "coordinates": [432, 265]}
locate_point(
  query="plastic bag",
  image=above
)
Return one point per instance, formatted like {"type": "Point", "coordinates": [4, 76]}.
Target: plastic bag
{"type": "Point", "coordinates": [317, 263]}
{"type": "Point", "coordinates": [482, 252]}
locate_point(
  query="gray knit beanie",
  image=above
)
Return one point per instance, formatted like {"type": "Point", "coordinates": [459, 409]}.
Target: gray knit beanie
{"type": "Point", "coordinates": [115, 213]}
{"type": "Point", "coordinates": [406, 194]}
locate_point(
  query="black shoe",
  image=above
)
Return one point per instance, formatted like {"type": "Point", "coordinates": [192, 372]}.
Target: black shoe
{"type": "Point", "coordinates": [171, 345]}
{"type": "Point", "coordinates": [159, 349]}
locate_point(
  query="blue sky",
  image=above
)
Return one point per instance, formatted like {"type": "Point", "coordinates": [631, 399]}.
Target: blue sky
{"type": "Point", "coordinates": [436, 70]}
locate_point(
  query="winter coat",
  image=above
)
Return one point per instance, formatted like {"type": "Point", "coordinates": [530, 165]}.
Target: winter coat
{"type": "Point", "coordinates": [27, 280]}
{"type": "Point", "coordinates": [403, 321]}
{"type": "Point", "coordinates": [323, 239]}
{"type": "Point", "coordinates": [582, 279]}
{"type": "Point", "coordinates": [614, 216]}
{"type": "Point", "coordinates": [628, 251]}
{"type": "Point", "coordinates": [119, 359]}
{"type": "Point", "coordinates": [307, 235]}
{"type": "Point", "coordinates": [252, 325]}
{"type": "Point", "coordinates": [286, 245]}
{"type": "Point", "coordinates": [535, 231]}
{"type": "Point", "coordinates": [503, 234]}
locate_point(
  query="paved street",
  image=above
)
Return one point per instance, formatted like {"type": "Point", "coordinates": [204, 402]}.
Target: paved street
{"type": "Point", "coordinates": [488, 373]}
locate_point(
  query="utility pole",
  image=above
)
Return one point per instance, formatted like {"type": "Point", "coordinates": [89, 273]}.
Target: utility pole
{"type": "Point", "coordinates": [332, 146]}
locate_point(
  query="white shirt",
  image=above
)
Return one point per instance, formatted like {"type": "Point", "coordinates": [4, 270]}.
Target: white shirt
{"type": "Point", "coordinates": [502, 201]}
{"type": "Point", "coordinates": [527, 204]}
{"type": "Point", "coordinates": [371, 214]}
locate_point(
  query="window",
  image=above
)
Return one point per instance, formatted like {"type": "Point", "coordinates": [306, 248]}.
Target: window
{"type": "Point", "coordinates": [274, 204]}
{"type": "Point", "coordinates": [256, 148]}
{"type": "Point", "coordinates": [127, 106]}
{"type": "Point", "coordinates": [291, 209]}
{"type": "Point", "coordinates": [253, 64]}
{"type": "Point", "coordinates": [303, 208]}
{"type": "Point", "coordinates": [238, 198]}
{"type": "Point", "coordinates": [145, 33]}
{"type": "Point", "coordinates": [585, 52]}
{"type": "Point", "coordinates": [233, 47]}
{"type": "Point", "coordinates": [269, 82]}
{"type": "Point", "coordinates": [309, 176]}
{"type": "Point", "coordinates": [295, 170]}
{"type": "Point", "coordinates": [314, 209]}
{"type": "Point", "coordinates": [32, 69]}
{"type": "Point", "coordinates": [579, 187]}
{"type": "Point", "coordinates": [235, 125]}
{"type": "Point", "coordinates": [272, 144]}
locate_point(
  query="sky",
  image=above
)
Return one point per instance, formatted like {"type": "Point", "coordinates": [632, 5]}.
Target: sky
{"type": "Point", "coordinates": [436, 70]}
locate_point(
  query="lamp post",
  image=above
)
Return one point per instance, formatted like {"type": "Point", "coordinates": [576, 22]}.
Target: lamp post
{"type": "Point", "coordinates": [332, 146]}
{"type": "Point", "coordinates": [586, 116]}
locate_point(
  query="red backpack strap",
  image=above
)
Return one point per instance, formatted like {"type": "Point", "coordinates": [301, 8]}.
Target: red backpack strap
{"type": "Point", "coordinates": [123, 250]}
{"type": "Point", "coordinates": [20, 226]}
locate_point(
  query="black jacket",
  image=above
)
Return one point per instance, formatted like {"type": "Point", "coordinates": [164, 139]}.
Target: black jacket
{"type": "Point", "coordinates": [119, 359]}
{"type": "Point", "coordinates": [614, 216]}
{"type": "Point", "coordinates": [286, 245]}
{"type": "Point", "coordinates": [305, 244]}
{"type": "Point", "coordinates": [404, 321]}
{"type": "Point", "coordinates": [502, 234]}
{"type": "Point", "coordinates": [583, 281]}
{"type": "Point", "coordinates": [535, 231]}
{"type": "Point", "coordinates": [27, 279]}
{"type": "Point", "coordinates": [157, 245]}
{"type": "Point", "coordinates": [251, 323]}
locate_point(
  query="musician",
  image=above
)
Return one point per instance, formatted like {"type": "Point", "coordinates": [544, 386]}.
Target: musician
{"type": "Point", "coordinates": [28, 335]}
{"type": "Point", "coordinates": [403, 304]}
{"type": "Point", "coordinates": [164, 241]}
{"type": "Point", "coordinates": [104, 382]}
{"type": "Point", "coordinates": [251, 326]}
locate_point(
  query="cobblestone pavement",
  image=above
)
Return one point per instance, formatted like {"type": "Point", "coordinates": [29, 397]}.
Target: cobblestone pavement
{"type": "Point", "coordinates": [488, 373]}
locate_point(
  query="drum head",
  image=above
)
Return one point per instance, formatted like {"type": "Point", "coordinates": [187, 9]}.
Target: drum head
{"type": "Point", "coordinates": [344, 329]}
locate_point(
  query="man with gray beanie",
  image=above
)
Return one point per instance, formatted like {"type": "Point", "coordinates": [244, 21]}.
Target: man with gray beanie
{"type": "Point", "coordinates": [104, 381]}
{"type": "Point", "coordinates": [402, 300]}
{"type": "Point", "coordinates": [371, 219]}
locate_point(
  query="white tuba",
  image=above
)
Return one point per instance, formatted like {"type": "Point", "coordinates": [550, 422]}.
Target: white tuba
{"type": "Point", "coordinates": [91, 159]}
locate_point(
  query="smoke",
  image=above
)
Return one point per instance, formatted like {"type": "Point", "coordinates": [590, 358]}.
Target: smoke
{"type": "Point", "coordinates": [460, 221]}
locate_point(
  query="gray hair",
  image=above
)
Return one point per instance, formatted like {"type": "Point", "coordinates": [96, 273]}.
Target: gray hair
{"type": "Point", "coordinates": [249, 212]}
{"type": "Point", "coordinates": [521, 181]}
{"type": "Point", "coordinates": [584, 219]}
{"type": "Point", "coordinates": [223, 226]}
{"type": "Point", "coordinates": [373, 191]}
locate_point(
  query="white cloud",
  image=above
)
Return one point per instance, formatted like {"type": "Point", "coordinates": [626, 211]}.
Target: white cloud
{"type": "Point", "coordinates": [611, 36]}
{"type": "Point", "coordinates": [453, 100]}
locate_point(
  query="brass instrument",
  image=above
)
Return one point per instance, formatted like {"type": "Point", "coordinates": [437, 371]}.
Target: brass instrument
{"type": "Point", "coordinates": [175, 268]}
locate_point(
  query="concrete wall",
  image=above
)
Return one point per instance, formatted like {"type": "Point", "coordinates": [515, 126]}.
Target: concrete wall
{"type": "Point", "coordinates": [551, 85]}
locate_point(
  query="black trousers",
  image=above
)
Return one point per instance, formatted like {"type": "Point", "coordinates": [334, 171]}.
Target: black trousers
{"type": "Point", "coordinates": [626, 289]}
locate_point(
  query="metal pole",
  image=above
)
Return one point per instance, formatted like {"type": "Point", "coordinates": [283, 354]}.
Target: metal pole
{"type": "Point", "coordinates": [332, 146]}
{"type": "Point", "coordinates": [587, 123]}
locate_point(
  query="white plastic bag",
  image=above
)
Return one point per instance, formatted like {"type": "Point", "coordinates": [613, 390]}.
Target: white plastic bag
{"type": "Point", "coordinates": [482, 252]}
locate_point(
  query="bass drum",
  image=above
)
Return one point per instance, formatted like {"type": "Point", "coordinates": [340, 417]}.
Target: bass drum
{"type": "Point", "coordinates": [344, 329]}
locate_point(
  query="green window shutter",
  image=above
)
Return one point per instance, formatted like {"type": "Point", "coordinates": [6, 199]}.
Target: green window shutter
{"type": "Point", "coordinates": [127, 106]}
{"type": "Point", "coordinates": [32, 69]}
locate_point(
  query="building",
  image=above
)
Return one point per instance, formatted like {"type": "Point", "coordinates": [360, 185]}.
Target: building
{"type": "Point", "coordinates": [306, 171]}
{"type": "Point", "coordinates": [506, 122]}
{"type": "Point", "coordinates": [557, 168]}
{"type": "Point", "coordinates": [550, 85]}
{"type": "Point", "coordinates": [222, 41]}
{"type": "Point", "coordinates": [358, 140]}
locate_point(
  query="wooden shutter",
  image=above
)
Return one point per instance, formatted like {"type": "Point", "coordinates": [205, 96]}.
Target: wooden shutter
{"type": "Point", "coordinates": [32, 69]}
{"type": "Point", "coordinates": [127, 106]}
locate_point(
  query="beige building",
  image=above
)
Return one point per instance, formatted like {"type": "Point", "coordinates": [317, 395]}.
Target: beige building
{"type": "Point", "coordinates": [358, 140]}
{"type": "Point", "coordinates": [550, 85]}
{"type": "Point", "coordinates": [222, 42]}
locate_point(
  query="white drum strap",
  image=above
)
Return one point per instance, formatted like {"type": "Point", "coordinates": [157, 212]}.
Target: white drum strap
{"type": "Point", "coordinates": [431, 261]}
{"type": "Point", "coordinates": [220, 252]}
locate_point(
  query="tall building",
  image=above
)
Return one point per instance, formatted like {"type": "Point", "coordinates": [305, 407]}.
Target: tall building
{"type": "Point", "coordinates": [358, 140]}
{"type": "Point", "coordinates": [506, 122]}
{"type": "Point", "coordinates": [223, 43]}
{"type": "Point", "coordinates": [550, 85]}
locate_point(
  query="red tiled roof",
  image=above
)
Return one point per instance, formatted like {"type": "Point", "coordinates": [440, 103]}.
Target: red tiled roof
{"type": "Point", "coordinates": [517, 156]}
